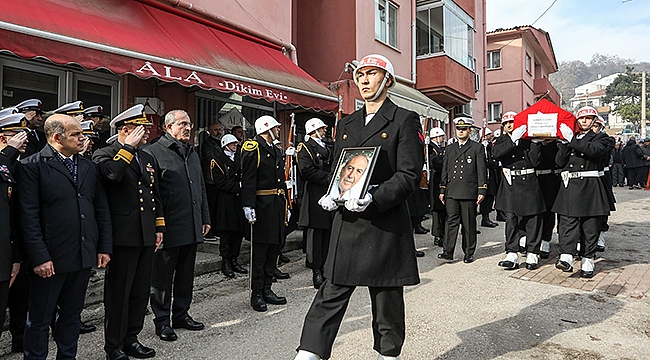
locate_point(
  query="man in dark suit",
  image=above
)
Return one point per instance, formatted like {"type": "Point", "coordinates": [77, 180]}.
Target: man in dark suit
{"type": "Point", "coordinates": [436, 158]}
{"type": "Point", "coordinates": [130, 179]}
{"type": "Point", "coordinates": [33, 111]}
{"type": "Point", "coordinates": [210, 149]}
{"type": "Point", "coordinates": [314, 158]}
{"type": "Point", "coordinates": [372, 241]}
{"type": "Point", "coordinates": [463, 186]}
{"type": "Point", "coordinates": [187, 220]}
{"type": "Point", "coordinates": [263, 197]}
{"type": "Point", "coordinates": [633, 162]}
{"type": "Point", "coordinates": [66, 228]}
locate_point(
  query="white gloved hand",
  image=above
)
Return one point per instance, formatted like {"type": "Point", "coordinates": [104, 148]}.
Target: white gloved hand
{"type": "Point", "coordinates": [536, 141]}
{"type": "Point", "coordinates": [288, 184]}
{"type": "Point", "coordinates": [567, 132]}
{"type": "Point", "coordinates": [291, 151]}
{"type": "Point", "coordinates": [249, 213]}
{"type": "Point", "coordinates": [288, 215]}
{"type": "Point", "coordinates": [427, 140]}
{"type": "Point", "coordinates": [328, 203]}
{"type": "Point", "coordinates": [518, 133]}
{"type": "Point", "coordinates": [358, 205]}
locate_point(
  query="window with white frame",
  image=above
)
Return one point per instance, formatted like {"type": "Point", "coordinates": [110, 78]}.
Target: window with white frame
{"type": "Point", "coordinates": [443, 27]}
{"type": "Point", "coordinates": [386, 22]}
{"type": "Point", "coordinates": [528, 60]}
{"type": "Point", "coordinates": [494, 112]}
{"type": "Point", "coordinates": [494, 59]}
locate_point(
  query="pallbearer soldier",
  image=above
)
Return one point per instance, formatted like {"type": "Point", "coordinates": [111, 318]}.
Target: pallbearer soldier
{"type": "Point", "coordinates": [462, 187]}
{"type": "Point", "coordinates": [130, 179]}
{"type": "Point", "coordinates": [372, 242]}
{"type": "Point", "coordinates": [519, 195]}
{"type": "Point", "coordinates": [436, 156]}
{"type": "Point", "coordinates": [264, 200]}
{"type": "Point", "coordinates": [598, 127]}
{"type": "Point", "coordinates": [314, 163]}
{"type": "Point", "coordinates": [228, 217]}
{"type": "Point", "coordinates": [33, 111]}
{"type": "Point", "coordinates": [582, 198]}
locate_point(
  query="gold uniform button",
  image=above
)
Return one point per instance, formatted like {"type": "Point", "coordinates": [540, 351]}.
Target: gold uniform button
{"type": "Point", "coordinates": [582, 154]}
{"type": "Point", "coordinates": [139, 182]}
{"type": "Point", "coordinates": [345, 136]}
{"type": "Point", "coordinates": [461, 178]}
{"type": "Point", "coordinates": [268, 155]}
{"type": "Point", "coordinates": [141, 209]}
{"type": "Point", "coordinates": [278, 180]}
{"type": "Point", "coordinates": [582, 166]}
{"type": "Point", "coordinates": [523, 178]}
{"type": "Point", "coordinates": [141, 200]}
{"type": "Point", "coordinates": [570, 165]}
{"type": "Point", "coordinates": [152, 200]}
{"type": "Point", "coordinates": [150, 192]}
{"type": "Point", "coordinates": [384, 135]}
{"type": "Point", "coordinates": [277, 166]}
{"type": "Point", "coordinates": [153, 208]}
{"type": "Point", "coordinates": [140, 191]}
{"type": "Point", "coordinates": [513, 156]}
{"type": "Point", "coordinates": [150, 185]}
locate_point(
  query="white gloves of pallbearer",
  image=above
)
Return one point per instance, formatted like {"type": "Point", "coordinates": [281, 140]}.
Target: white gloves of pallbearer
{"type": "Point", "coordinates": [328, 203]}
{"type": "Point", "coordinates": [518, 133]}
{"type": "Point", "coordinates": [567, 132]}
{"type": "Point", "coordinates": [249, 213]}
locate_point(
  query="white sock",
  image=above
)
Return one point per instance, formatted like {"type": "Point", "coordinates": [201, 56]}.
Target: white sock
{"type": "Point", "coordinates": [546, 246]}
{"type": "Point", "coordinates": [601, 239]}
{"type": "Point", "coordinates": [306, 355]}
{"type": "Point", "coordinates": [382, 357]}
{"type": "Point", "coordinates": [522, 241]}
{"type": "Point", "coordinates": [512, 257]}
{"type": "Point", "coordinates": [578, 247]}
{"type": "Point", "coordinates": [587, 264]}
{"type": "Point", "coordinates": [532, 258]}
{"type": "Point", "coordinates": [568, 258]}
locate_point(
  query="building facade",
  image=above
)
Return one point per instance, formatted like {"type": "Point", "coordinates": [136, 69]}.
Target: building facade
{"type": "Point", "coordinates": [592, 94]}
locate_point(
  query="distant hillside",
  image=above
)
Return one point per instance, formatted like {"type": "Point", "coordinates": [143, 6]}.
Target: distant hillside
{"type": "Point", "coordinates": [572, 74]}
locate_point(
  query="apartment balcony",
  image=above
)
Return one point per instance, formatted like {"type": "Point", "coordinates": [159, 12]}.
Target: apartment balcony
{"type": "Point", "coordinates": [541, 86]}
{"type": "Point", "coordinates": [445, 81]}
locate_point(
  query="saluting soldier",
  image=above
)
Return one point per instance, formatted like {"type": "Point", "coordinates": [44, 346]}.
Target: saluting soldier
{"type": "Point", "coordinates": [33, 110]}
{"type": "Point", "coordinates": [228, 217]}
{"type": "Point", "coordinates": [314, 158]}
{"type": "Point", "coordinates": [264, 200]}
{"type": "Point", "coordinates": [582, 198]}
{"type": "Point", "coordinates": [436, 157]}
{"type": "Point", "coordinates": [130, 179]}
{"type": "Point", "coordinates": [463, 186]}
{"type": "Point", "coordinates": [96, 115]}
{"type": "Point", "coordinates": [519, 195]}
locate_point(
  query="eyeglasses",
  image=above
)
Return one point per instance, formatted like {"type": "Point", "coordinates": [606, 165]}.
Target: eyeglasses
{"type": "Point", "coordinates": [185, 124]}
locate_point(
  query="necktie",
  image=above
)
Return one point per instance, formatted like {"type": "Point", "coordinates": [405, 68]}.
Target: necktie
{"type": "Point", "coordinates": [69, 164]}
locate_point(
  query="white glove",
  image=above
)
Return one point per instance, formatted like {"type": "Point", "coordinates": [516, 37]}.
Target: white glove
{"type": "Point", "coordinates": [536, 141]}
{"type": "Point", "coordinates": [288, 184]}
{"type": "Point", "coordinates": [566, 131]}
{"type": "Point", "coordinates": [288, 215]}
{"type": "Point", "coordinates": [328, 203]}
{"type": "Point", "coordinates": [291, 151]}
{"type": "Point", "coordinates": [518, 133]}
{"type": "Point", "coordinates": [427, 140]}
{"type": "Point", "coordinates": [249, 213]}
{"type": "Point", "coordinates": [358, 205]}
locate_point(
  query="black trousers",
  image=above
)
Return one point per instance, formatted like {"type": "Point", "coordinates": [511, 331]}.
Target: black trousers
{"type": "Point", "coordinates": [18, 304]}
{"type": "Point", "coordinates": [211, 192]}
{"type": "Point", "coordinates": [317, 243]}
{"type": "Point", "coordinates": [460, 212]}
{"type": "Point", "coordinates": [533, 230]}
{"type": "Point", "coordinates": [583, 230]}
{"type": "Point", "coordinates": [64, 293]}
{"type": "Point", "coordinates": [172, 268]}
{"type": "Point", "coordinates": [438, 220]}
{"type": "Point", "coordinates": [548, 224]}
{"type": "Point", "coordinates": [634, 176]}
{"type": "Point", "coordinates": [618, 177]}
{"type": "Point", "coordinates": [486, 206]}
{"type": "Point", "coordinates": [230, 243]}
{"type": "Point", "coordinates": [126, 293]}
{"type": "Point", "coordinates": [326, 313]}
{"type": "Point", "coordinates": [264, 262]}
{"type": "Point", "coordinates": [4, 296]}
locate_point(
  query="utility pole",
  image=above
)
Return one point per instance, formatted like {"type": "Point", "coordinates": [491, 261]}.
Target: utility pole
{"type": "Point", "coordinates": [643, 118]}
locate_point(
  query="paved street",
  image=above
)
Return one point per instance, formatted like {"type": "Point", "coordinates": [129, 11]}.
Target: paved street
{"type": "Point", "coordinates": [459, 311]}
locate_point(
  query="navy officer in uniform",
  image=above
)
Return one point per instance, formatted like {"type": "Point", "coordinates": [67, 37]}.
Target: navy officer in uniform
{"type": "Point", "coordinates": [33, 110]}
{"type": "Point", "coordinates": [129, 176]}
{"type": "Point", "coordinates": [582, 201]}
{"type": "Point", "coordinates": [372, 241]}
{"type": "Point", "coordinates": [463, 186]}
{"type": "Point", "coordinates": [264, 200]}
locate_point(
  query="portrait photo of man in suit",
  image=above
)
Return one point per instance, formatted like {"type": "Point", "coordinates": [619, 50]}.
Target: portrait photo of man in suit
{"type": "Point", "coordinates": [351, 179]}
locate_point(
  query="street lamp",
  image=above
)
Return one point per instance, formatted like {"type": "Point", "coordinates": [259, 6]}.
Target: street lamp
{"type": "Point", "coordinates": [643, 117]}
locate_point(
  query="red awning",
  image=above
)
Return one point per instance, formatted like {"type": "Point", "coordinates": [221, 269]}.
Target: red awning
{"type": "Point", "coordinates": [130, 37]}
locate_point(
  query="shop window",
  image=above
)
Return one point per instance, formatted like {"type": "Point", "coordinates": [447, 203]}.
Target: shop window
{"type": "Point", "coordinates": [386, 22]}
{"type": "Point", "coordinates": [494, 59]}
{"type": "Point", "coordinates": [494, 112]}
{"type": "Point", "coordinates": [20, 84]}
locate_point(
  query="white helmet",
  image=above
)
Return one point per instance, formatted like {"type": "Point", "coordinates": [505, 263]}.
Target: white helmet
{"type": "Point", "coordinates": [435, 132]}
{"type": "Point", "coordinates": [264, 123]}
{"type": "Point", "coordinates": [381, 62]}
{"type": "Point", "coordinates": [488, 131]}
{"type": "Point", "coordinates": [314, 124]}
{"type": "Point", "coordinates": [228, 139]}
{"type": "Point", "coordinates": [497, 132]}
{"type": "Point", "coordinates": [508, 116]}
{"type": "Point", "coordinates": [586, 111]}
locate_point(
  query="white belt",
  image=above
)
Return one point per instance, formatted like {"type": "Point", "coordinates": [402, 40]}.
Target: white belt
{"type": "Point", "coordinates": [606, 168]}
{"type": "Point", "coordinates": [557, 171]}
{"type": "Point", "coordinates": [508, 174]}
{"type": "Point", "coordinates": [544, 172]}
{"type": "Point", "coordinates": [566, 175]}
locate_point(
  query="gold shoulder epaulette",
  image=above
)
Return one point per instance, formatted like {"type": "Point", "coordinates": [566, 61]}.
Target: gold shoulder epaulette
{"type": "Point", "coordinates": [249, 145]}
{"type": "Point", "coordinates": [300, 146]}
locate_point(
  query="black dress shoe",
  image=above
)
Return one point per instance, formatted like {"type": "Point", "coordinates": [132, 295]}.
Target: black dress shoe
{"type": "Point", "coordinates": [478, 231]}
{"type": "Point", "coordinates": [564, 266]}
{"type": "Point", "coordinates": [586, 274]}
{"type": "Point", "coordinates": [226, 268]}
{"type": "Point", "coordinates": [271, 298]}
{"type": "Point", "coordinates": [600, 248]}
{"type": "Point", "coordinates": [274, 279]}
{"type": "Point", "coordinates": [468, 259]}
{"type": "Point", "coordinates": [438, 241]}
{"type": "Point", "coordinates": [85, 328]}
{"type": "Point", "coordinates": [284, 258]}
{"type": "Point", "coordinates": [443, 255]}
{"type": "Point", "coordinates": [419, 229]}
{"type": "Point", "coordinates": [137, 350]}
{"type": "Point", "coordinates": [544, 255]}
{"type": "Point", "coordinates": [116, 354]}
{"type": "Point", "coordinates": [279, 274]}
{"type": "Point", "coordinates": [489, 223]}
{"type": "Point", "coordinates": [166, 333]}
{"type": "Point", "coordinates": [501, 217]}
{"type": "Point", "coordinates": [419, 253]}
{"type": "Point", "coordinates": [508, 265]}
{"type": "Point", "coordinates": [318, 278]}
{"type": "Point", "coordinates": [257, 301]}
{"type": "Point", "coordinates": [237, 268]}
{"type": "Point", "coordinates": [530, 266]}
{"type": "Point", "coordinates": [189, 324]}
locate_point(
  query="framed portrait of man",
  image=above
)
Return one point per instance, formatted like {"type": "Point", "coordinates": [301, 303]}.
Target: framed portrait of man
{"type": "Point", "coordinates": [352, 175]}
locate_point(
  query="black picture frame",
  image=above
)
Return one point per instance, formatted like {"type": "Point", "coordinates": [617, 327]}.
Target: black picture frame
{"type": "Point", "coordinates": [357, 185]}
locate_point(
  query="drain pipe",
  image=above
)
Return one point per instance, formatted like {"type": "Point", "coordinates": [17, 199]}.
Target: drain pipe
{"type": "Point", "coordinates": [287, 48]}
{"type": "Point", "coordinates": [402, 79]}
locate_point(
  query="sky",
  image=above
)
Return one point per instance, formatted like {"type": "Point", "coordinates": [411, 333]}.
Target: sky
{"type": "Point", "coordinates": [581, 28]}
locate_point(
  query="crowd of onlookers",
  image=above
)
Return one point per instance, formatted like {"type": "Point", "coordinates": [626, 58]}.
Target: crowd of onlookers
{"type": "Point", "coordinates": [630, 163]}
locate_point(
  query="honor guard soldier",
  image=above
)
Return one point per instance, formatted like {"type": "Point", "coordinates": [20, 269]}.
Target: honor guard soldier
{"type": "Point", "coordinates": [436, 158]}
{"type": "Point", "coordinates": [263, 197]}
{"type": "Point", "coordinates": [598, 127]}
{"type": "Point", "coordinates": [97, 116]}
{"type": "Point", "coordinates": [582, 198]}
{"type": "Point", "coordinates": [372, 240]}
{"type": "Point", "coordinates": [493, 168]}
{"type": "Point", "coordinates": [33, 110]}
{"type": "Point", "coordinates": [519, 196]}
{"type": "Point", "coordinates": [130, 179]}
{"type": "Point", "coordinates": [10, 252]}
{"type": "Point", "coordinates": [314, 164]}
{"type": "Point", "coordinates": [463, 186]}
{"type": "Point", "coordinates": [228, 216]}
